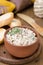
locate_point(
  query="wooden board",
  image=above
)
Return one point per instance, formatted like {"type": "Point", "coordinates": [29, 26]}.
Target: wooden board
{"type": "Point", "coordinates": [7, 58]}
{"type": "Point", "coordinates": [37, 61]}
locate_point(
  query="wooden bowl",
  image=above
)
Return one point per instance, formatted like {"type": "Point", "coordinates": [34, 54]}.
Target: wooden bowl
{"type": "Point", "coordinates": [21, 51]}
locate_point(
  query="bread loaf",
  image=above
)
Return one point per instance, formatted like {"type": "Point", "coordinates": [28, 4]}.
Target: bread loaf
{"type": "Point", "coordinates": [2, 31]}
{"type": "Point", "coordinates": [15, 22]}
{"type": "Point", "coordinates": [6, 19]}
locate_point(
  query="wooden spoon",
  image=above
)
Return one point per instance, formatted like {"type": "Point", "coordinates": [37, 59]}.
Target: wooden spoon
{"type": "Point", "coordinates": [32, 22]}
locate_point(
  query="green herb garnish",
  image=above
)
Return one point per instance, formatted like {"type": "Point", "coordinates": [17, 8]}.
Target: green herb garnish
{"type": "Point", "coordinates": [14, 31]}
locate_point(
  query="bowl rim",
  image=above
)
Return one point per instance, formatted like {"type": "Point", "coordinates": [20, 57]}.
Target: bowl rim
{"type": "Point", "coordinates": [37, 34]}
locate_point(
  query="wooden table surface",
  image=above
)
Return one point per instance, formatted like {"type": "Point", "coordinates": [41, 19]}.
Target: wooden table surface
{"type": "Point", "coordinates": [39, 21]}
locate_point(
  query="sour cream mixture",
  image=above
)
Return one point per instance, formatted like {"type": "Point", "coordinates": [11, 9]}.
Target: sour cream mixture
{"type": "Point", "coordinates": [21, 36]}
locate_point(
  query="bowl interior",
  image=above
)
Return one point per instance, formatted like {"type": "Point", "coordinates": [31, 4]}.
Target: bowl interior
{"type": "Point", "coordinates": [22, 27]}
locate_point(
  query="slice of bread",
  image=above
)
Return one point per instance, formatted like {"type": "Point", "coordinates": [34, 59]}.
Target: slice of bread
{"type": "Point", "coordinates": [15, 22]}
{"type": "Point", "coordinates": [2, 31]}
{"type": "Point", "coordinates": [6, 19]}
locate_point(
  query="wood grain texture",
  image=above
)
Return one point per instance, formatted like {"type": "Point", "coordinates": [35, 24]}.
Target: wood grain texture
{"type": "Point", "coordinates": [29, 12]}
{"type": "Point", "coordinates": [32, 22]}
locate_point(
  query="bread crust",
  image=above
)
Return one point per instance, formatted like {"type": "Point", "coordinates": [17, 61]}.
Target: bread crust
{"type": "Point", "coordinates": [6, 21]}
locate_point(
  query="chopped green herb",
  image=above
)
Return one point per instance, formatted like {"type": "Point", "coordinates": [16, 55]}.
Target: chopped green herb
{"type": "Point", "coordinates": [14, 31]}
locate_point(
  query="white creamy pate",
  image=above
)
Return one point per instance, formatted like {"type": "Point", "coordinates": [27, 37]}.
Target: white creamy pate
{"type": "Point", "coordinates": [21, 36]}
